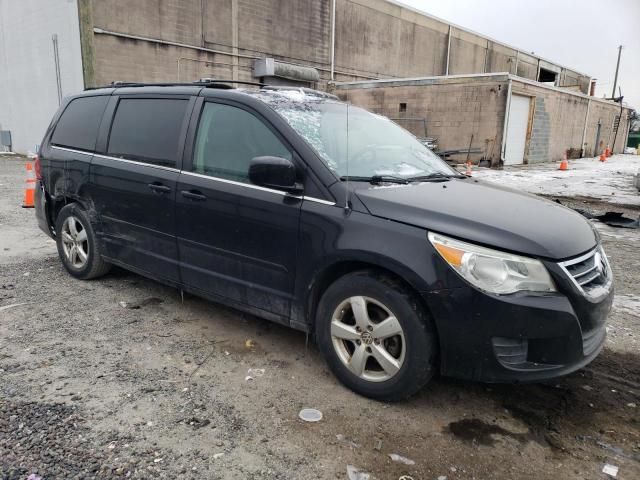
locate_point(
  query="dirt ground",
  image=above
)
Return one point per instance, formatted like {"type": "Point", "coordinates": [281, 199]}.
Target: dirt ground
{"type": "Point", "coordinates": [119, 377]}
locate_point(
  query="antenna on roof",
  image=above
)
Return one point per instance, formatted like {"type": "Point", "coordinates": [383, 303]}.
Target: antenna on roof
{"type": "Point", "coordinates": [347, 205]}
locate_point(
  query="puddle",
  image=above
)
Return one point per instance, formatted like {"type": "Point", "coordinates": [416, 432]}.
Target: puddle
{"type": "Point", "coordinates": [474, 430]}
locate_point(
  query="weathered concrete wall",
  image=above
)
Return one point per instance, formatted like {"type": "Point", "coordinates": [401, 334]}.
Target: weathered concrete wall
{"type": "Point", "coordinates": [605, 115]}
{"type": "Point", "coordinates": [559, 123]}
{"type": "Point", "coordinates": [454, 110]}
{"type": "Point", "coordinates": [373, 39]}
{"type": "Point", "coordinates": [457, 108]}
{"type": "Point", "coordinates": [28, 86]}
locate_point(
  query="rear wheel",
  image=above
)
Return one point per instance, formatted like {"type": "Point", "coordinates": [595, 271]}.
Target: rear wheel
{"type": "Point", "coordinates": [375, 336]}
{"type": "Point", "coordinates": [78, 247]}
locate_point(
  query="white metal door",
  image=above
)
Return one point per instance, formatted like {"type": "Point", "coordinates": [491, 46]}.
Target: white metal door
{"type": "Point", "coordinates": [517, 130]}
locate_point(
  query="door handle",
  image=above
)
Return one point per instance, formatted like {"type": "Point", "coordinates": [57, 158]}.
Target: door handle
{"type": "Point", "coordinates": [193, 195]}
{"type": "Point", "coordinates": [159, 188]}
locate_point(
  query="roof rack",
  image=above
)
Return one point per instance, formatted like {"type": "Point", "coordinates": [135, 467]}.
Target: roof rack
{"type": "Point", "coordinates": [305, 90]}
{"type": "Point", "coordinates": [203, 82]}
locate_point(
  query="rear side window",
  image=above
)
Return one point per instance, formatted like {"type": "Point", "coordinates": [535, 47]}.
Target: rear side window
{"type": "Point", "coordinates": [148, 130]}
{"type": "Point", "coordinates": [228, 138]}
{"type": "Point", "coordinates": [78, 125]}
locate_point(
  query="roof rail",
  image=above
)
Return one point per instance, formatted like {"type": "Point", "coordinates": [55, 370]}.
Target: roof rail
{"type": "Point", "coordinates": [305, 90]}
{"type": "Point", "coordinates": [203, 82]}
{"type": "Point", "coordinates": [208, 80]}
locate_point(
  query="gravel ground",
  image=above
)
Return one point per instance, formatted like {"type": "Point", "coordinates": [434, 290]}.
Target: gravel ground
{"type": "Point", "coordinates": [120, 377]}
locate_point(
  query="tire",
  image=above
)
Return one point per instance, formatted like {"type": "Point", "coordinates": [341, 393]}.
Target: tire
{"type": "Point", "coordinates": [411, 351]}
{"type": "Point", "coordinates": [74, 233]}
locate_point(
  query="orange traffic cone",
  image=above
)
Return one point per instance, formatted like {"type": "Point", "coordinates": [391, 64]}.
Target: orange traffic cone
{"type": "Point", "coordinates": [603, 156]}
{"type": "Point", "coordinates": [468, 170]}
{"type": "Point", "coordinates": [564, 164]}
{"type": "Point", "coordinates": [29, 187]}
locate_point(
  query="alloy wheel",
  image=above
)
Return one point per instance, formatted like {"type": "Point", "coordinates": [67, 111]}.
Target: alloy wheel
{"type": "Point", "coordinates": [75, 243]}
{"type": "Point", "coordinates": [368, 338]}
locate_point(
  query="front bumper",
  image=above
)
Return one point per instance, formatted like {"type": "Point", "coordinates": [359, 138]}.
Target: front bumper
{"type": "Point", "coordinates": [522, 337]}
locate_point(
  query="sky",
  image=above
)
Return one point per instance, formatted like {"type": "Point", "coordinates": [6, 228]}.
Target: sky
{"type": "Point", "coordinates": [580, 34]}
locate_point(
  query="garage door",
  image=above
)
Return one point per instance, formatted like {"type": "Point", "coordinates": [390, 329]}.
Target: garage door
{"type": "Point", "coordinates": [517, 130]}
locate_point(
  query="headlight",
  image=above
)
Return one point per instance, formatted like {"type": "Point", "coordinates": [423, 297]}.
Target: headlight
{"type": "Point", "coordinates": [492, 270]}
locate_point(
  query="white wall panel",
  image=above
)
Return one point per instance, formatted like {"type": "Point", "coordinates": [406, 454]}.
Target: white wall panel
{"type": "Point", "coordinates": [28, 86]}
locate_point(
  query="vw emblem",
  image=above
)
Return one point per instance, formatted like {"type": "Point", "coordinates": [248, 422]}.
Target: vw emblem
{"type": "Point", "coordinates": [367, 338]}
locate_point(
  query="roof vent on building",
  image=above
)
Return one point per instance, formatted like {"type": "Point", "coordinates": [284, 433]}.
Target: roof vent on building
{"type": "Point", "coordinates": [269, 67]}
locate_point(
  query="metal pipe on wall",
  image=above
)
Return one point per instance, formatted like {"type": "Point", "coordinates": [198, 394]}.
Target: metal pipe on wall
{"type": "Point", "coordinates": [333, 39]}
{"type": "Point", "coordinates": [158, 41]}
{"type": "Point", "coordinates": [503, 147]}
{"type": "Point", "coordinates": [446, 71]}
{"type": "Point", "coordinates": [56, 59]}
{"type": "Point", "coordinates": [584, 130]}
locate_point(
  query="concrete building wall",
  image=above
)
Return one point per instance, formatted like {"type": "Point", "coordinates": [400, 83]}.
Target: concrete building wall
{"type": "Point", "coordinates": [373, 39]}
{"type": "Point", "coordinates": [454, 109]}
{"type": "Point", "coordinates": [559, 123]}
{"type": "Point", "coordinates": [457, 109]}
{"type": "Point", "coordinates": [28, 86]}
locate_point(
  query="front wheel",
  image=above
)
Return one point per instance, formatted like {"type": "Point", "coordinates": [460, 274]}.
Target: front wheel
{"type": "Point", "coordinates": [78, 245]}
{"type": "Point", "coordinates": [375, 336]}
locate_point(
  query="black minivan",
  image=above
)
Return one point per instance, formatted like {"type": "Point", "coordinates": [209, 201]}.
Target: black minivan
{"type": "Point", "coordinates": [307, 211]}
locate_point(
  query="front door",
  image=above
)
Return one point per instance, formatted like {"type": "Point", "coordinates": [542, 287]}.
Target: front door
{"type": "Point", "coordinates": [517, 125]}
{"type": "Point", "coordinates": [133, 183]}
{"type": "Point", "coordinates": [236, 240]}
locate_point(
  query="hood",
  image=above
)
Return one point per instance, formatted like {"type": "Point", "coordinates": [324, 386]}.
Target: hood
{"type": "Point", "coordinates": [484, 213]}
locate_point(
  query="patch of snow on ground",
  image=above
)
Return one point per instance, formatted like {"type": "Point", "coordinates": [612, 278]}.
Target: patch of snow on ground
{"type": "Point", "coordinates": [611, 181]}
{"type": "Point", "coordinates": [627, 303]}
{"type": "Point", "coordinates": [605, 230]}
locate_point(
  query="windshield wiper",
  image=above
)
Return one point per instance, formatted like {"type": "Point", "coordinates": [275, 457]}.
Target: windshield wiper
{"type": "Point", "coordinates": [376, 179]}
{"type": "Point", "coordinates": [437, 176]}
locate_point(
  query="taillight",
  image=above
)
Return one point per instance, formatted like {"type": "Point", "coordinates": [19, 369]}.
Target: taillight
{"type": "Point", "coordinates": [37, 166]}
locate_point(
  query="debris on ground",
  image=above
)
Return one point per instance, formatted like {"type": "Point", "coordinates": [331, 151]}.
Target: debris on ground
{"type": "Point", "coordinates": [343, 439]}
{"type": "Point", "coordinates": [400, 459]}
{"type": "Point", "coordinates": [142, 303]}
{"type": "Point", "coordinates": [613, 219]}
{"type": "Point", "coordinates": [310, 415]}
{"type": "Point", "coordinates": [610, 470]}
{"type": "Point", "coordinates": [354, 473]}
{"type": "Point", "coordinates": [249, 344]}
{"type": "Point", "coordinates": [253, 373]}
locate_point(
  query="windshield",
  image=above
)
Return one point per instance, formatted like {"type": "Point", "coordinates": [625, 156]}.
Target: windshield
{"type": "Point", "coordinates": [356, 143]}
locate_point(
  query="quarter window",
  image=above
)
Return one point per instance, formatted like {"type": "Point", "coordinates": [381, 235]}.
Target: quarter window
{"type": "Point", "coordinates": [228, 138]}
{"type": "Point", "coordinates": [78, 125]}
{"type": "Point", "coordinates": [148, 130]}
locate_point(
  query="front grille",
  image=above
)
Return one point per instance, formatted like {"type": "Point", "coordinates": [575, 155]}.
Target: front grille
{"type": "Point", "coordinates": [590, 272]}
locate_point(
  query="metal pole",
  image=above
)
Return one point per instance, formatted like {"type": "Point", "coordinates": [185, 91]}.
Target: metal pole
{"type": "Point", "coordinates": [333, 39]}
{"type": "Point", "coordinates": [234, 39]}
{"type": "Point", "coordinates": [56, 59]}
{"type": "Point", "coordinates": [615, 81]}
{"type": "Point", "coordinates": [446, 72]}
{"type": "Point", "coordinates": [584, 130]}
{"type": "Point", "coordinates": [503, 147]}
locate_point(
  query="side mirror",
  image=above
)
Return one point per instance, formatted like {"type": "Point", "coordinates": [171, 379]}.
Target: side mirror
{"type": "Point", "coordinates": [274, 172]}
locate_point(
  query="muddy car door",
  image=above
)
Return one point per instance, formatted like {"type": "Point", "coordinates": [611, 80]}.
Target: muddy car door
{"type": "Point", "coordinates": [236, 240]}
{"type": "Point", "coordinates": [133, 181]}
